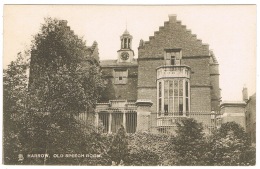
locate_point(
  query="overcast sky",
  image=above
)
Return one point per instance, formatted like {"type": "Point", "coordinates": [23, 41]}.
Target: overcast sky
{"type": "Point", "coordinates": [229, 30]}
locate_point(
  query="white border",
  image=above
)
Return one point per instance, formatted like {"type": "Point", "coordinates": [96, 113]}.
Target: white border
{"type": "Point", "coordinates": [133, 2]}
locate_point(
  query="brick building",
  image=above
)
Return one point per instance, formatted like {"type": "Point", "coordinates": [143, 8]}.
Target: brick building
{"type": "Point", "coordinates": [242, 112]}
{"type": "Point", "coordinates": [175, 76]}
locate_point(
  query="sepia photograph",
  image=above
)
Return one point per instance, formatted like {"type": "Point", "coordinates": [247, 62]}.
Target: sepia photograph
{"type": "Point", "coordinates": [129, 85]}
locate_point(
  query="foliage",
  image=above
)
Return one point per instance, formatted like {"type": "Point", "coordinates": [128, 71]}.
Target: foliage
{"type": "Point", "coordinates": [14, 99]}
{"type": "Point", "coordinates": [62, 84]}
{"type": "Point", "coordinates": [119, 150]}
{"type": "Point", "coordinates": [146, 148]}
{"type": "Point", "coordinates": [188, 146]}
{"type": "Point", "coordinates": [143, 157]}
{"type": "Point", "coordinates": [62, 75]}
{"type": "Point", "coordinates": [230, 146]}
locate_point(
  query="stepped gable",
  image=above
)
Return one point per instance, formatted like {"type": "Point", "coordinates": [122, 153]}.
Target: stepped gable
{"type": "Point", "coordinates": [172, 35]}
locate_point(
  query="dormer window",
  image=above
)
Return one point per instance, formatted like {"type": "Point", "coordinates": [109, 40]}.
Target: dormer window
{"type": "Point", "coordinates": [173, 56]}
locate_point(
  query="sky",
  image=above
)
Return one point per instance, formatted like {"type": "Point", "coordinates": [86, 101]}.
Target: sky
{"type": "Point", "coordinates": [230, 31]}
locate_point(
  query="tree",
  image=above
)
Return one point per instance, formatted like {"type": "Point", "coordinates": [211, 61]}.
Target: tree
{"type": "Point", "coordinates": [64, 81]}
{"type": "Point", "coordinates": [187, 147]}
{"type": "Point", "coordinates": [230, 145]}
{"type": "Point", "coordinates": [119, 150]}
{"type": "Point", "coordinates": [63, 74]}
{"type": "Point", "coordinates": [14, 101]}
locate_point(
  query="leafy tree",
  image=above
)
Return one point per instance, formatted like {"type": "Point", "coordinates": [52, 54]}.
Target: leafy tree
{"type": "Point", "coordinates": [64, 81]}
{"type": "Point", "coordinates": [63, 75]}
{"type": "Point", "coordinates": [230, 145]}
{"type": "Point", "coordinates": [119, 150]}
{"type": "Point", "coordinates": [187, 147]}
{"type": "Point", "coordinates": [14, 101]}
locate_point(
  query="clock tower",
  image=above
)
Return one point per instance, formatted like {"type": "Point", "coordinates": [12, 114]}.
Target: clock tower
{"type": "Point", "coordinates": [125, 54]}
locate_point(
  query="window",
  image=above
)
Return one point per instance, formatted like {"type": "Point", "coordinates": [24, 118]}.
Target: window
{"type": "Point", "coordinates": [187, 95]}
{"type": "Point", "coordinates": [173, 56]}
{"type": "Point", "coordinates": [160, 98]}
{"type": "Point", "coordinates": [173, 97]}
{"type": "Point", "coordinates": [120, 76]}
{"type": "Point", "coordinates": [172, 60]}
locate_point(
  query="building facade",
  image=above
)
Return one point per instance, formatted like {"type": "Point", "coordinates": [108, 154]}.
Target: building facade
{"type": "Point", "coordinates": [242, 112]}
{"type": "Point", "coordinates": [175, 76]}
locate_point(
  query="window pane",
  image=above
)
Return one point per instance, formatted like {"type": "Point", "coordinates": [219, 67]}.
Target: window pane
{"type": "Point", "coordinates": [175, 92]}
{"type": "Point", "coordinates": [160, 89]}
{"type": "Point", "coordinates": [175, 84]}
{"type": "Point", "coordinates": [187, 89]}
{"type": "Point", "coordinates": [165, 105]}
{"type": "Point", "coordinates": [187, 104]}
{"type": "Point", "coordinates": [181, 105]}
{"type": "Point", "coordinates": [176, 106]}
{"type": "Point", "coordinates": [181, 84]}
{"type": "Point", "coordinates": [181, 92]}
{"type": "Point", "coordinates": [171, 104]}
{"type": "Point", "coordinates": [166, 89]}
{"type": "Point", "coordinates": [173, 60]}
{"type": "Point", "coordinates": [160, 104]}
{"type": "Point", "coordinates": [171, 89]}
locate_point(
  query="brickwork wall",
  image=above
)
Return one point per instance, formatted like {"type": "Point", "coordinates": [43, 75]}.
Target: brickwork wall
{"type": "Point", "coordinates": [147, 72]}
{"type": "Point", "coordinates": [200, 99]}
{"type": "Point", "coordinates": [113, 91]}
{"type": "Point", "coordinates": [148, 93]}
{"type": "Point", "coordinates": [215, 90]}
{"type": "Point", "coordinates": [200, 70]}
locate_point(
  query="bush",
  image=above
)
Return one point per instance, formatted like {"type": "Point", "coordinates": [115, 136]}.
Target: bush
{"type": "Point", "coordinates": [146, 149]}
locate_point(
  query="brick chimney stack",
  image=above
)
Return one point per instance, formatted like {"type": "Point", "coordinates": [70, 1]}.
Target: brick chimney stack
{"type": "Point", "coordinates": [245, 94]}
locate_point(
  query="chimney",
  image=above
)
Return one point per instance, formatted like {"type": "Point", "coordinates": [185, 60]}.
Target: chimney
{"type": "Point", "coordinates": [245, 94]}
{"type": "Point", "coordinates": [172, 18]}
